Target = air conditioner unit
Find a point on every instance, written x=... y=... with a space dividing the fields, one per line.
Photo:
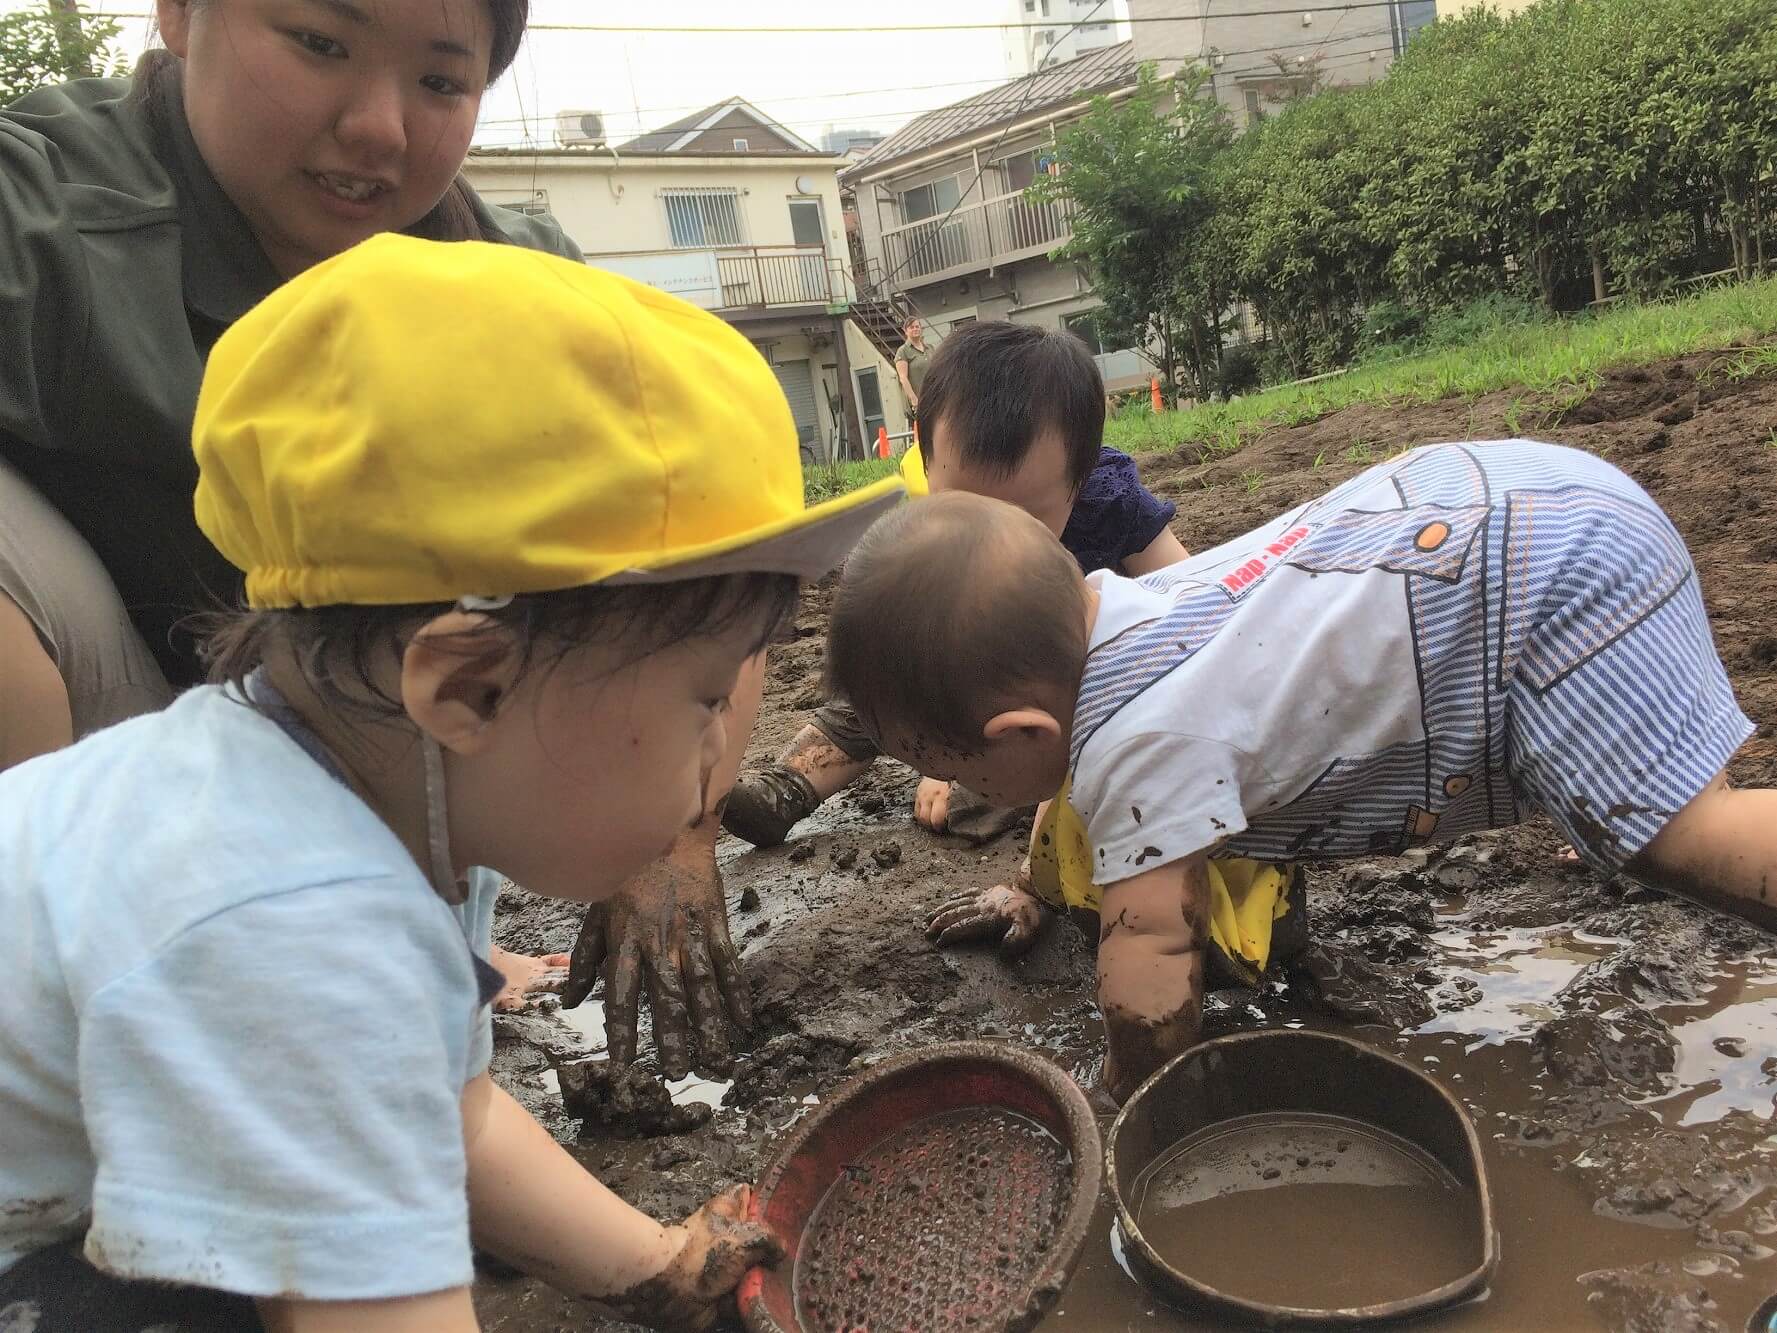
x=579 y=127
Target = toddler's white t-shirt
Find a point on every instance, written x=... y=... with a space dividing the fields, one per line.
x=237 y=1020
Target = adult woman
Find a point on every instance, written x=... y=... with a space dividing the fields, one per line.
x=138 y=220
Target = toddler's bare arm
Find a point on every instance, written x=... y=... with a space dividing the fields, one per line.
x=533 y=1205
x=1152 y=933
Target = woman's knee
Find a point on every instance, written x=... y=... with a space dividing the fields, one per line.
x=35 y=717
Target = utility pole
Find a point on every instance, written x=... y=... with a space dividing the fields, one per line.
x=75 y=62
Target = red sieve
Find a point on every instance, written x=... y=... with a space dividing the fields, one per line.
x=946 y=1189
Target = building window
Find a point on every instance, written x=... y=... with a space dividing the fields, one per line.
x=1084 y=326
x=1254 y=113
x=702 y=217
x=871 y=416
x=1407 y=17
x=1020 y=170
x=926 y=201
x=740 y=145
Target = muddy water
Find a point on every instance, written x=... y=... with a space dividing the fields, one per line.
x=940 y=1226
x=587 y=1019
x=1557 y=1237
x=1725 y=1049
x=1383 y=1221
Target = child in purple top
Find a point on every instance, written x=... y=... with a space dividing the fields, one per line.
x=1012 y=412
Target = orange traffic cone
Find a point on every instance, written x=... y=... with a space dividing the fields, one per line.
x=1154 y=394
x=882 y=444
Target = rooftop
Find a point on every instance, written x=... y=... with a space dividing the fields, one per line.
x=1096 y=71
x=737 y=112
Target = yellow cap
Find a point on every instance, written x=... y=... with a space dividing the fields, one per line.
x=415 y=421
x=913 y=471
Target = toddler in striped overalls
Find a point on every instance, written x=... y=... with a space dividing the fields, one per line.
x=1450 y=641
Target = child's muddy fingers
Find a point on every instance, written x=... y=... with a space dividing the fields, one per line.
x=588 y=957
x=623 y=992
x=931 y=803
x=672 y=1019
x=709 y=1019
x=971 y=929
x=966 y=908
x=952 y=910
x=938 y=816
x=730 y=975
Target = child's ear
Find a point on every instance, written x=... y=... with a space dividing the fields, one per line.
x=455 y=674
x=1030 y=721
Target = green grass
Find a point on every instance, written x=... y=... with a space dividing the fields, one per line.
x=1757 y=361
x=823 y=481
x=1562 y=358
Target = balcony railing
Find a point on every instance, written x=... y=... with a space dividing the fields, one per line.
x=976 y=236
x=738 y=277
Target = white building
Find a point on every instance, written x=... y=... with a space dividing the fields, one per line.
x=731 y=211
x=1057 y=31
x=1258 y=51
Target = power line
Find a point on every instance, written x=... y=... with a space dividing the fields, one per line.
x=1305 y=6
x=1008 y=101
x=503 y=127
x=807 y=97
x=730 y=30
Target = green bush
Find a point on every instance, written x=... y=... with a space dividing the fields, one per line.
x=1239 y=371
x=1480 y=318
x=1390 y=325
x=1499 y=170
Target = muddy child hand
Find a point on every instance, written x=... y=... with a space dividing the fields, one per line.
x=668 y=928
x=931 y=804
x=1015 y=917
x=715 y=1247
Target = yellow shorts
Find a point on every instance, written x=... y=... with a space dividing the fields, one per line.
x=1256 y=913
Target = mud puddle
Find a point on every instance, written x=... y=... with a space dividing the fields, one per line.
x=1727 y=1049
x=1654 y=1252
x=587 y=1020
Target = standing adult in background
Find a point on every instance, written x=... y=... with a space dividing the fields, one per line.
x=911 y=359
x=139 y=218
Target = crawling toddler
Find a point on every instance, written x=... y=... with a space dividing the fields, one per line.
x=1450 y=641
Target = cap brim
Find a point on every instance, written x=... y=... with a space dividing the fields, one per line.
x=808 y=545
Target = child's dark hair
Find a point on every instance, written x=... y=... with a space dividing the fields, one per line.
x=338 y=648
x=996 y=386
x=948 y=607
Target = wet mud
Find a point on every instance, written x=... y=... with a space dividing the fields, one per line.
x=1616 y=1048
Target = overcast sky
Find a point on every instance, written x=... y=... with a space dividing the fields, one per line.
x=809 y=81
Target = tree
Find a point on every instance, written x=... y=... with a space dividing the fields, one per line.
x=1138 y=176
x=1291 y=231
x=51 y=45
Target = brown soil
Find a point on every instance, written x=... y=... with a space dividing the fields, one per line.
x=1609 y=1041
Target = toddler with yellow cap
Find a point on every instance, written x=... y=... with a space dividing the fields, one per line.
x=506 y=554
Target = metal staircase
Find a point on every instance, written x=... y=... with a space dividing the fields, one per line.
x=881 y=309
